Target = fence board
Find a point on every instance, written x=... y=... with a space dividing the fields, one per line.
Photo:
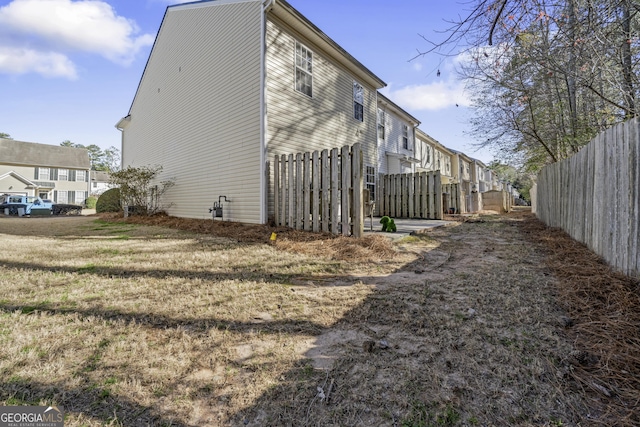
x=315 y=191
x=357 y=184
x=335 y=201
x=416 y=195
x=326 y=185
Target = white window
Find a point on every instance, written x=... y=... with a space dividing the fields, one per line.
x=381 y=135
x=358 y=102
x=43 y=173
x=62 y=197
x=370 y=182
x=63 y=174
x=79 y=197
x=81 y=176
x=405 y=137
x=304 y=70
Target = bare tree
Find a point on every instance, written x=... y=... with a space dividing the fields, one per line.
x=546 y=74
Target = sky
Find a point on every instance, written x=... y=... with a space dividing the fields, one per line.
x=69 y=69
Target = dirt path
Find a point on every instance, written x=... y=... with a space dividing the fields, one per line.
x=471 y=333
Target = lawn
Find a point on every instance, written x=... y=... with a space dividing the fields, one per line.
x=187 y=323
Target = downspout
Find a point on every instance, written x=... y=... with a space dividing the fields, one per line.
x=264 y=188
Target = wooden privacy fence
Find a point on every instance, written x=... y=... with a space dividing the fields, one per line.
x=595 y=196
x=411 y=195
x=320 y=191
x=451 y=198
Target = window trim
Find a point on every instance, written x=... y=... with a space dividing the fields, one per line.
x=299 y=71
x=370 y=185
x=405 y=137
x=63 y=174
x=358 y=92
x=381 y=124
x=46 y=175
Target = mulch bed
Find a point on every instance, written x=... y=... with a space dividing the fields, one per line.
x=603 y=308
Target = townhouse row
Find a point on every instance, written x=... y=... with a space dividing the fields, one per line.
x=230 y=84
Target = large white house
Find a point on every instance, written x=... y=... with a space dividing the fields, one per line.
x=231 y=83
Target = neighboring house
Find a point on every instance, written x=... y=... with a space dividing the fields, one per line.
x=480 y=176
x=100 y=182
x=433 y=156
x=228 y=85
x=47 y=171
x=396 y=138
x=464 y=174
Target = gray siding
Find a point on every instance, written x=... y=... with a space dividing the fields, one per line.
x=298 y=123
x=197 y=109
x=393 y=142
x=9 y=184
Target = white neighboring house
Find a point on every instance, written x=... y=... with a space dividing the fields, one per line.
x=100 y=182
x=228 y=85
x=433 y=156
x=396 y=138
x=47 y=171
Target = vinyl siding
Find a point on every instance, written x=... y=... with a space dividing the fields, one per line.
x=393 y=143
x=197 y=110
x=298 y=123
x=28 y=172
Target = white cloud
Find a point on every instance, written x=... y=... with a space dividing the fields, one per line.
x=48 y=64
x=60 y=27
x=417 y=66
x=432 y=96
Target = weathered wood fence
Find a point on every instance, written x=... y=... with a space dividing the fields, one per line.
x=452 y=198
x=320 y=191
x=416 y=195
x=595 y=196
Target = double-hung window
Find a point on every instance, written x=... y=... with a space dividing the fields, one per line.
x=63 y=174
x=370 y=182
x=381 y=125
x=81 y=176
x=358 y=102
x=43 y=174
x=62 y=197
x=304 y=70
x=405 y=137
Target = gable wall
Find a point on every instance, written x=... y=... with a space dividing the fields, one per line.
x=197 y=110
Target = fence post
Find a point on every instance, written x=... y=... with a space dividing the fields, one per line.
x=357 y=210
x=326 y=185
x=299 y=193
x=345 y=163
x=315 y=192
x=292 y=196
x=334 y=190
x=276 y=189
x=306 y=191
x=437 y=178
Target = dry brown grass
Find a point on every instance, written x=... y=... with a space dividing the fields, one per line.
x=187 y=323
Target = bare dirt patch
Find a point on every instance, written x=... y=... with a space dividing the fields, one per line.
x=164 y=321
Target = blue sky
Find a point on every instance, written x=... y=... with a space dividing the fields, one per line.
x=69 y=68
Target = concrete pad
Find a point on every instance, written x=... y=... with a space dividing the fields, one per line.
x=404 y=227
